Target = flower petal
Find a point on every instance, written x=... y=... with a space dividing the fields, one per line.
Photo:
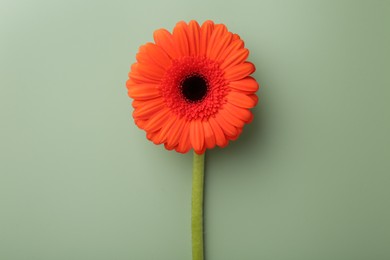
x=140 y=123
x=255 y=98
x=155 y=54
x=219 y=40
x=142 y=56
x=236 y=37
x=247 y=84
x=231 y=118
x=194 y=37
x=239 y=112
x=136 y=75
x=227 y=128
x=241 y=100
x=164 y=39
x=174 y=133
x=146 y=109
x=215 y=39
x=180 y=38
x=208 y=135
x=205 y=33
x=234 y=46
x=184 y=142
x=150 y=71
x=157 y=121
x=239 y=131
x=143 y=91
x=197 y=135
x=149 y=136
x=220 y=138
x=250 y=119
x=163 y=134
x=235 y=58
x=239 y=71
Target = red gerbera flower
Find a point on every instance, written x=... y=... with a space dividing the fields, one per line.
x=192 y=88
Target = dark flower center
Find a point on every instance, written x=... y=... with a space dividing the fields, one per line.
x=194 y=88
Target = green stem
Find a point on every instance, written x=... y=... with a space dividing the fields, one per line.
x=197 y=206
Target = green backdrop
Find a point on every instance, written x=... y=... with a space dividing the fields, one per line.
x=308 y=179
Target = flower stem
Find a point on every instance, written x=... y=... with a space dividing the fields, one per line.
x=197 y=206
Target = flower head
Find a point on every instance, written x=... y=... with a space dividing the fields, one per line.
x=192 y=88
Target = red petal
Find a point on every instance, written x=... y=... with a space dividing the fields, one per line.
x=140 y=123
x=174 y=134
x=239 y=71
x=150 y=71
x=205 y=34
x=165 y=40
x=142 y=56
x=241 y=99
x=157 y=55
x=239 y=131
x=241 y=113
x=247 y=84
x=136 y=75
x=235 y=58
x=156 y=122
x=231 y=118
x=227 y=128
x=220 y=138
x=234 y=46
x=255 y=98
x=197 y=136
x=219 y=40
x=163 y=134
x=208 y=135
x=184 y=142
x=180 y=38
x=236 y=37
x=145 y=109
x=194 y=37
x=143 y=91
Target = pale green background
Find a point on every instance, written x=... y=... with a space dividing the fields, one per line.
x=308 y=179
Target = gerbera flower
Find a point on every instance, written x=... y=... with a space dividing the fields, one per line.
x=192 y=88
